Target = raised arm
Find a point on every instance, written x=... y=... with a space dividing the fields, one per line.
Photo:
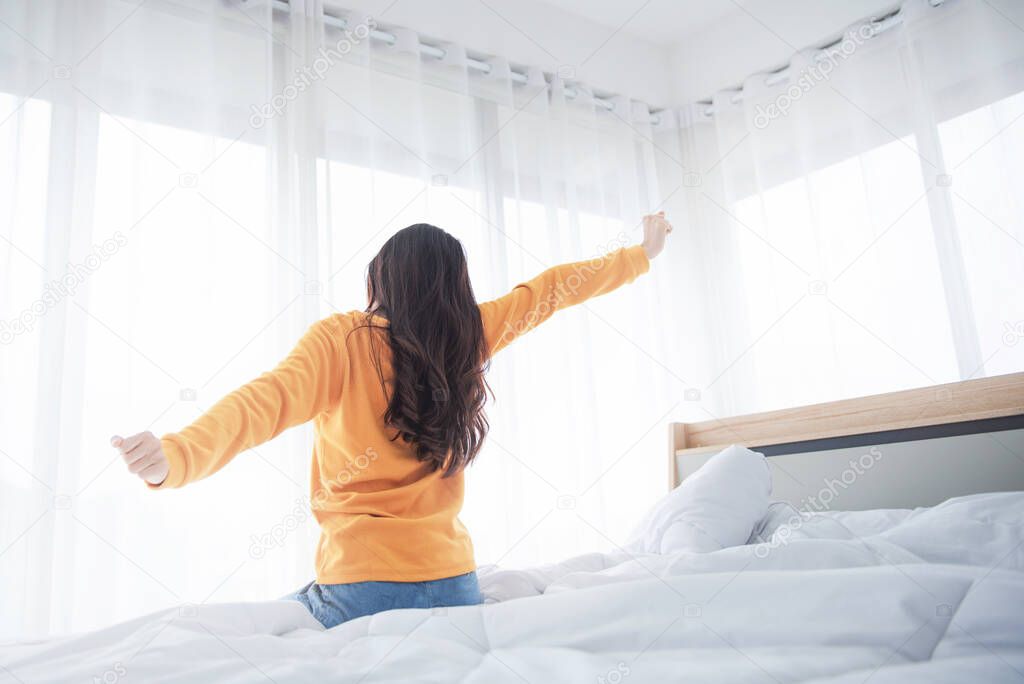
x=531 y=303
x=305 y=384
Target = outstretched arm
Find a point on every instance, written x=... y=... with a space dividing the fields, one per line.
x=531 y=303
x=305 y=384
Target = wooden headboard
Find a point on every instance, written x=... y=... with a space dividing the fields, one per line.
x=970 y=407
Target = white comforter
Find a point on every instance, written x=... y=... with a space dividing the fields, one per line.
x=932 y=595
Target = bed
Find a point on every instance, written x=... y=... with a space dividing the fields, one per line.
x=935 y=443
x=733 y=576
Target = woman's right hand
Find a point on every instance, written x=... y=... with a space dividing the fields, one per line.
x=656 y=228
x=144 y=456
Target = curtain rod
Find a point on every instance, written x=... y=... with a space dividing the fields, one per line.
x=877 y=25
x=473 y=63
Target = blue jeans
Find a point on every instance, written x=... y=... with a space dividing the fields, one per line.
x=332 y=604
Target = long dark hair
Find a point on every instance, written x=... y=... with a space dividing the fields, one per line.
x=420 y=284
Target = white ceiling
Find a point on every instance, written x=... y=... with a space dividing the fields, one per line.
x=668 y=22
x=715 y=44
x=660 y=21
x=663 y=52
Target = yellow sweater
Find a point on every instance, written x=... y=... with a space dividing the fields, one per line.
x=383 y=514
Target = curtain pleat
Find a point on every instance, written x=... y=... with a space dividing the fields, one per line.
x=853 y=214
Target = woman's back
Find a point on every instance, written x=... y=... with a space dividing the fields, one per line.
x=385 y=514
x=396 y=395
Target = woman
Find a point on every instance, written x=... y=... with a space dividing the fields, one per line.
x=396 y=395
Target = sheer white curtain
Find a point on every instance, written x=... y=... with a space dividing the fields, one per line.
x=858 y=217
x=185 y=186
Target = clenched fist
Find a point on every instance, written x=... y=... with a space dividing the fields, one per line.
x=144 y=456
x=656 y=228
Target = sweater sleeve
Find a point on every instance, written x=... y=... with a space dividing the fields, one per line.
x=531 y=303
x=303 y=385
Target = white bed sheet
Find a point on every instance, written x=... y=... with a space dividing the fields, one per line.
x=931 y=595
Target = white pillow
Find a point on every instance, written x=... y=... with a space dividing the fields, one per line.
x=715 y=508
